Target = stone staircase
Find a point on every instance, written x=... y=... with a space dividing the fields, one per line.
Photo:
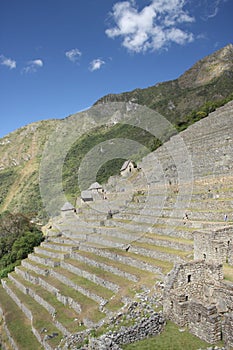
x=89 y=266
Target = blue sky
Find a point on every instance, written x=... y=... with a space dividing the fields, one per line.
x=58 y=57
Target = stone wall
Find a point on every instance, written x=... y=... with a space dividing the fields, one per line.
x=10 y=339
x=122 y=259
x=43 y=261
x=204 y=321
x=136 y=321
x=146 y=327
x=79 y=289
x=35 y=296
x=90 y=276
x=66 y=300
x=215 y=246
x=227 y=330
x=105 y=267
x=7 y=332
x=22 y=307
x=54 y=255
x=196 y=296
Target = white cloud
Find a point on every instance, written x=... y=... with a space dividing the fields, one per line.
x=8 y=62
x=32 y=66
x=210 y=8
x=96 y=64
x=73 y=55
x=151 y=28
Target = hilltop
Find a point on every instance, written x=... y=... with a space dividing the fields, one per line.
x=204 y=87
x=209 y=80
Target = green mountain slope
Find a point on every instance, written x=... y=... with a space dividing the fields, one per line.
x=200 y=90
x=209 y=81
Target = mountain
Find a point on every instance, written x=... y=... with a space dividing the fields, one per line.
x=209 y=80
x=200 y=90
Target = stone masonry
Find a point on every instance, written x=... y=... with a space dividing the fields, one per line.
x=196 y=296
x=215 y=246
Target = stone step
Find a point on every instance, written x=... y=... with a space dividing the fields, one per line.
x=35 y=266
x=167 y=216
x=28 y=291
x=73 y=287
x=43 y=260
x=131 y=259
x=105 y=267
x=51 y=273
x=164 y=241
x=88 y=275
x=162 y=229
x=63 y=240
x=49 y=298
x=80 y=227
x=154 y=251
x=126 y=235
x=18 y=330
x=55 y=254
x=102 y=291
x=62 y=247
x=85 y=302
x=126 y=271
x=112 y=281
x=39 y=318
x=32 y=277
x=160 y=253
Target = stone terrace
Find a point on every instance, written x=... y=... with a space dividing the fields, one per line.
x=89 y=266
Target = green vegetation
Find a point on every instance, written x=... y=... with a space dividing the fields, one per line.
x=18 y=324
x=103 y=133
x=41 y=317
x=18 y=237
x=182 y=101
x=170 y=339
x=7 y=178
x=202 y=112
x=93 y=138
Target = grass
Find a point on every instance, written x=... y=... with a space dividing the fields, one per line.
x=41 y=318
x=101 y=273
x=18 y=324
x=166 y=266
x=123 y=267
x=228 y=272
x=89 y=307
x=64 y=314
x=33 y=263
x=114 y=304
x=85 y=283
x=161 y=249
x=170 y=339
x=169 y=238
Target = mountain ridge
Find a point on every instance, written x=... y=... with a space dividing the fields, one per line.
x=170 y=97
x=182 y=101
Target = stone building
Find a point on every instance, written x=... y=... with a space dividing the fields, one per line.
x=215 y=246
x=95 y=188
x=86 y=196
x=197 y=297
x=67 y=209
x=127 y=168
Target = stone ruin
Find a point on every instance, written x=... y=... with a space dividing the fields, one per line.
x=215 y=246
x=196 y=295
